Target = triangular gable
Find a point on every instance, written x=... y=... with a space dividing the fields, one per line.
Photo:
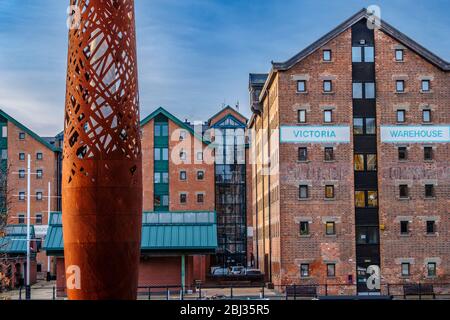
x=219 y=116
x=178 y=122
x=385 y=27
x=229 y=121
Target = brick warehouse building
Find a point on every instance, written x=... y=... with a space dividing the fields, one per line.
x=180 y=174
x=350 y=139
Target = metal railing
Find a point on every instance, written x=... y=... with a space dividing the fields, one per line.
x=201 y=291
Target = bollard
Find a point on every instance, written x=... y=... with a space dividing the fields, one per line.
x=54 y=293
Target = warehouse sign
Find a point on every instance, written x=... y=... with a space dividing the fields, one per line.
x=415 y=134
x=315 y=134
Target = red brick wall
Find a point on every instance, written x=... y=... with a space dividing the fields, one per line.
x=418 y=247
x=147 y=165
x=191 y=186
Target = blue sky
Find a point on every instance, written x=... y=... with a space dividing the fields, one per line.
x=193 y=55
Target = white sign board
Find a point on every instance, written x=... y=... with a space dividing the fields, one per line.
x=415 y=134
x=40 y=230
x=315 y=134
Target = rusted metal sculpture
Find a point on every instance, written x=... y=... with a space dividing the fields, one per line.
x=102 y=176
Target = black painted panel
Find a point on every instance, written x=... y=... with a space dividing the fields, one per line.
x=368 y=251
x=363 y=71
x=365 y=144
x=364 y=108
x=367 y=216
x=366 y=180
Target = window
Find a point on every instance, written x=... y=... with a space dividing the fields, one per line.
x=403 y=191
x=161 y=200
x=301 y=86
x=428 y=153
x=404 y=227
x=304 y=228
x=357 y=54
x=372 y=199
x=330 y=228
x=200 y=175
x=302 y=154
x=304 y=270
x=39 y=174
x=369 y=90
x=165 y=154
x=400 y=85
x=331 y=270
x=161 y=130
x=200 y=198
x=357 y=90
x=21 y=219
x=157 y=154
x=301 y=116
x=369 y=55
x=364 y=126
x=4 y=132
x=429 y=191
x=161 y=177
x=329 y=192
x=399 y=55
x=367 y=235
x=326 y=55
x=363 y=54
x=431 y=227
x=401 y=115
x=405 y=269
x=359 y=162
x=22 y=196
x=303 y=194
x=183 y=198
x=371 y=163
x=425 y=85
x=39 y=196
x=200 y=156
x=39 y=156
x=426 y=115
x=328 y=116
x=366 y=199
x=22 y=174
x=38 y=219
x=358 y=126
x=327 y=86
x=182 y=135
x=370 y=126
x=4 y=154
x=22 y=136
x=402 y=153
x=183 y=155
x=157 y=178
x=183 y=176
x=329 y=154
x=431 y=269
x=22 y=156
x=360 y=199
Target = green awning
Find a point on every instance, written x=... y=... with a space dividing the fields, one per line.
x=161 y=232
x=15 y=241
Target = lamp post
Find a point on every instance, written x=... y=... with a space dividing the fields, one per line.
x=28 y=288
x=48 y=225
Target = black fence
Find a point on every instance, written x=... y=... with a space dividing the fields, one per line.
x=412 y=291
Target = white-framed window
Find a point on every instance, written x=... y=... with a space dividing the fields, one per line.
x=301 y=116
x=328 y=116
x=4 y=132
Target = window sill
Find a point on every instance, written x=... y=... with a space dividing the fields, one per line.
x=431 y=235
x=329 y=161
x=426 y=92
x=404 y=198
x=426 y=123
x=328 y=93
x=428 y=160
x=330 y=236
x=429 y=198
x=305 y=236
x=405 y=235
x=329 y=199
x=306 y=161
x=302 y=92
x=304 y=199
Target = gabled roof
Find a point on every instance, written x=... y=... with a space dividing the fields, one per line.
x=385 y=27
x=174 y=119
x=29 y=132
x=362 y=14
x=15 y=240
x=231 y=110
